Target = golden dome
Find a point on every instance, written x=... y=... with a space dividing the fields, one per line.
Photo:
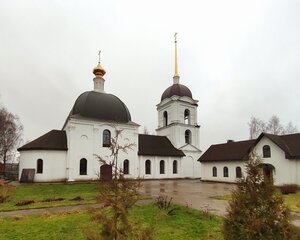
x=99 y=71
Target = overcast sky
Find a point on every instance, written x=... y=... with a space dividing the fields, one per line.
x=239 y=59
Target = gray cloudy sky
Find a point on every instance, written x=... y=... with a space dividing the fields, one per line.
x=239 y=58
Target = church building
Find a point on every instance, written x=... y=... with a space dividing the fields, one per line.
x=69 y=154
x=280 y=159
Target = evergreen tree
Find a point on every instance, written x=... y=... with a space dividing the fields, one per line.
x=256 y=210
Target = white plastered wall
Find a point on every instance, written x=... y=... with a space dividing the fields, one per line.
x=54 y=164
x=85 y=141
x=155 y=167
x=207 y=172
x=286 y=171
x=175 y=130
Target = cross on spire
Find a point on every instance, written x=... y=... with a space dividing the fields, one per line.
x=99 y=53
x=176 y=75
x=176 y=62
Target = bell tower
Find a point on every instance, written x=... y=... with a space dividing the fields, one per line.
x=177 y=113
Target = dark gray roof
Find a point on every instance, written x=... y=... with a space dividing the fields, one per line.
x=178 y=90
x=153 y=145
x=231 y=151
x=100 y=106
x=53 y=140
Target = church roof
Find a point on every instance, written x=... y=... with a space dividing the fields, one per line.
x=178 y=90
x=237 y=151
x=53 y=140
x=100 y=106
x=230 y=151
x=153 y=145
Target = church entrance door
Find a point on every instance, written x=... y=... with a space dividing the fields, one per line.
x=268 y=170
x=106 y=172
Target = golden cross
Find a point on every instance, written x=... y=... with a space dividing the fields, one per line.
x=99 y=56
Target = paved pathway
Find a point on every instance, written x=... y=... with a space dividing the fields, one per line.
x=196 y=194
x=192 y=193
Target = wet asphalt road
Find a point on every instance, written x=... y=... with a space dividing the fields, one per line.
x=192 y=193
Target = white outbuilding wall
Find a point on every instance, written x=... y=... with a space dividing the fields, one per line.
x=286 y=171
x=54 y=164
x=207 y=170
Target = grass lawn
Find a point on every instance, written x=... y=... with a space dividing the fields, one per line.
x=185 y=224
x=291 y=200
x=41 y=192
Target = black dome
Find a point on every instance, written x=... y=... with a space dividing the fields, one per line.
x=101 y=106
x=178 y=90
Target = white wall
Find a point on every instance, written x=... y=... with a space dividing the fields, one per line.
x=155 y=167
x=54 y=164
x=286 y=171
x=85 y=141
x=191 y=167
x=207 y=173
x=175 y=130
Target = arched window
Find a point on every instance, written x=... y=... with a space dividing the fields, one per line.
x=214 y=172
x=165 y=118
x=187 y=117
x=266 y=151
x=126 y=166
x=188 y=136
x=106 y=138
x=148 y=167
x=83 y=166
x=162 y=167
x=39 y=166
x=175 y=167
x=225 y=172
x=238 y=172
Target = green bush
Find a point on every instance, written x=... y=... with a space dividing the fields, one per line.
x=256 y=210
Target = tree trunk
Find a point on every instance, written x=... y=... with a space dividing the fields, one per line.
x=4 y=163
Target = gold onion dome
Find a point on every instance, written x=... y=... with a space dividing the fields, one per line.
x=99 y=71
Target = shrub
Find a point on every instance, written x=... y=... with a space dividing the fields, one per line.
x=256 y=210
x=288 y=188
x=163 y=203
x=5 y=191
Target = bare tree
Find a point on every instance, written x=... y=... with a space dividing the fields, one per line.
x=273 y=126
x=256 y=127
x=145 y=130
x=290 y=128
x=117 y=197
x=10 y=134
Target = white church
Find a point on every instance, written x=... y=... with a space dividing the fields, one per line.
x=69 y=154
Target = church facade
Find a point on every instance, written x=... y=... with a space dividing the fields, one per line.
x=70 y=154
